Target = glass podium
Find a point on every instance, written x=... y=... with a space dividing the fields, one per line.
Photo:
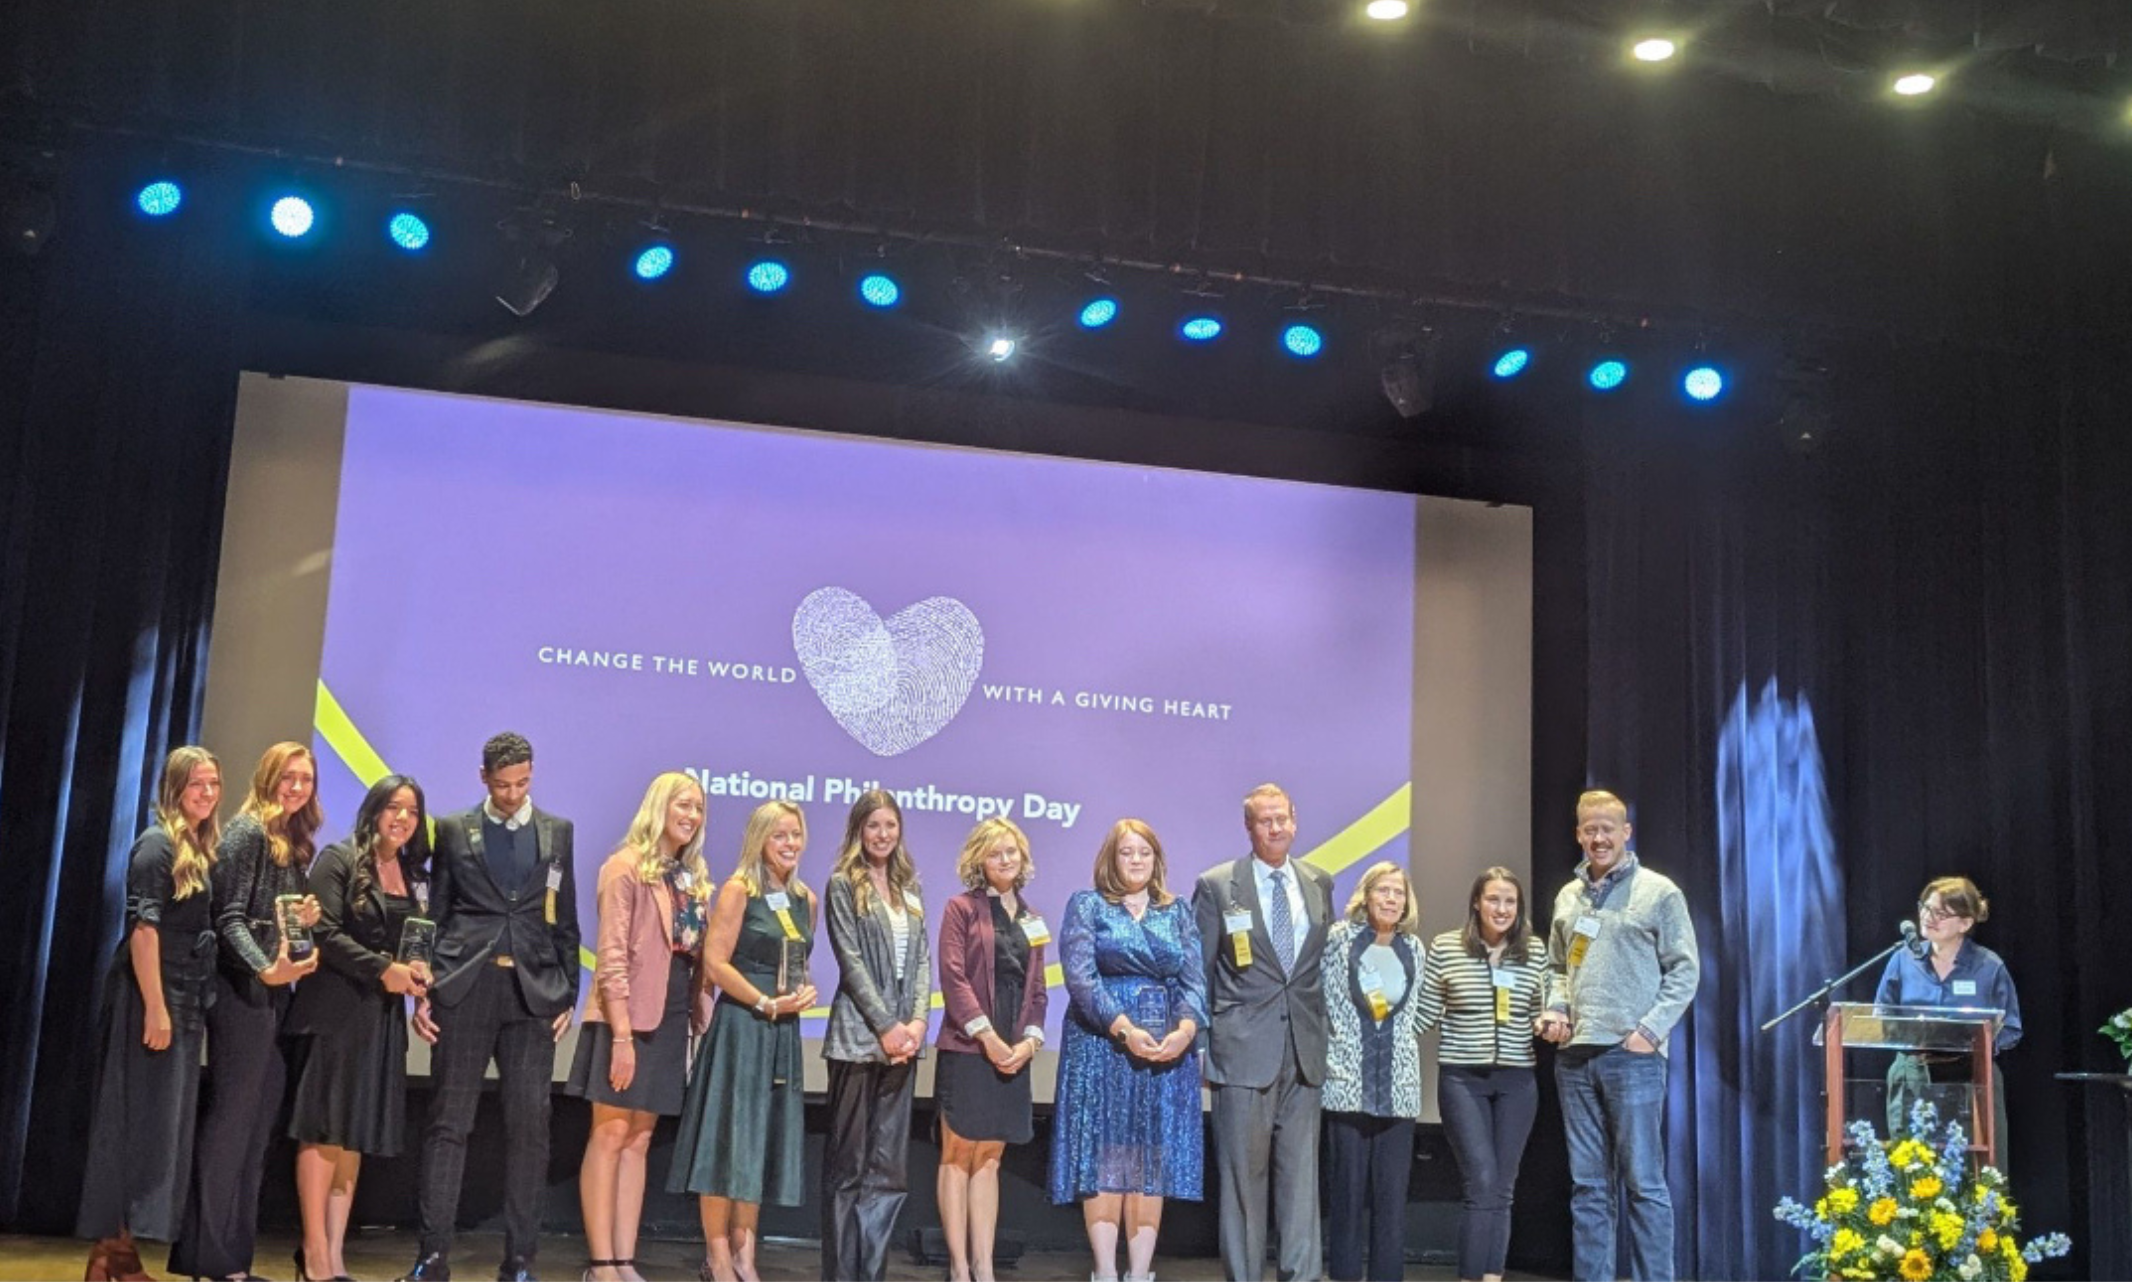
x=1944 y=1035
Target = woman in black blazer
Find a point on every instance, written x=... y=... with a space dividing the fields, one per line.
x=349 y=1022
x=264 y=855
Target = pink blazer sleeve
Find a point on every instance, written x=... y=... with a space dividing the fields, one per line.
x=618 y=907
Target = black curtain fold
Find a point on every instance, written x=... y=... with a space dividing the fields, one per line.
x=115 y=428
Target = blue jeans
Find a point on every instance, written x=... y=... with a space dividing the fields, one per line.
x=1487 y=1115
x=1613 y=1109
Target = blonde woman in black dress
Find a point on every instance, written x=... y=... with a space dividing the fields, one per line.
x=155 y=1004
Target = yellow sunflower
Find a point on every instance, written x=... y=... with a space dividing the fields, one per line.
x=1882 y=1212
x=1988 y=1241
x=1926 y=1189
x=1916 y=1266
x=1843 y=1201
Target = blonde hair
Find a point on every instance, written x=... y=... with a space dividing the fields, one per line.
x=649 y=827
x=851 y=862
x=192 y=849
x=1358 y=904
x=288 y=835
x=970 y=866
x=757 y=836
x=1601 y=799
x=1107 y=880
x=1266 y=792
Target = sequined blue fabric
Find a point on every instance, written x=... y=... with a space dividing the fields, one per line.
x=1123 y=1125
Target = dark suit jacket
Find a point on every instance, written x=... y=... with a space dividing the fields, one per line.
x=478 y=921
x=1260 y=1012
x=355 y=943
x=966 y=977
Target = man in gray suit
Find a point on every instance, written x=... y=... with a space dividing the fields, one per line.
x=1262 y=923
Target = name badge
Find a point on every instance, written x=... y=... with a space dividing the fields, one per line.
x=555 y=883
x=1965 y=988
x=777 y=900
x=1238 y=924
x=1504 y=982
x=1586 y=929
x=1035 y=931
x=1373 y=993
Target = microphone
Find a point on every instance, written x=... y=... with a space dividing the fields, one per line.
x=1919 y=946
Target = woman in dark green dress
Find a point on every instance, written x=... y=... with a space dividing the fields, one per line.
x=742 y=1126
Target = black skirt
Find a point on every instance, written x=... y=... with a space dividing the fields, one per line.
x=141 y=1127
x=662 y=1054
x=979 y=1103
x=351 y=1080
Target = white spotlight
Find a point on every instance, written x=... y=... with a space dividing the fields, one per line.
x=1387 y=10
x=1654 y=49
x=1915 y=83
x=1000 y=348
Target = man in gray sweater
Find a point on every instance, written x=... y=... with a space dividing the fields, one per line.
x=1622 y=969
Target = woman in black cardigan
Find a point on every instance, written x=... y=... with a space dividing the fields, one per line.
x=263 y=856
x=349 y=1022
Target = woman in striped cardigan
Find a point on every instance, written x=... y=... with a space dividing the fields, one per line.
x=1483 y=987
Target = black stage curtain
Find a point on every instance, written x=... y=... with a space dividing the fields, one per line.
x=1823 y=681
x=116 y=399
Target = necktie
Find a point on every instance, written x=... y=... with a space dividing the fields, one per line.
x=1281 y=921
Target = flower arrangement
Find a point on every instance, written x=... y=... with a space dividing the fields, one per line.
x=1908 y=1208
x=2119 y=1030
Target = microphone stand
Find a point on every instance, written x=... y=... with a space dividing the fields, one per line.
x=1821 y=994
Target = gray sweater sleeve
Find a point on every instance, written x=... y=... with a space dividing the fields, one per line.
x=1679 y=965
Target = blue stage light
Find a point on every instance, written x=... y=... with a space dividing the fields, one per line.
x=1512 y=363
x=160 y=198
x=408 y=231
x=655 y=262
x=1302 y=340
x=1703 y=383
x=292 y=216
x=1099 y=312
x=1608 y=375
x=768 y=276
x=880 y=291
x=1200 y=329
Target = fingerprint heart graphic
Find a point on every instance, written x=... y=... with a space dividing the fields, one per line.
x=891 y=683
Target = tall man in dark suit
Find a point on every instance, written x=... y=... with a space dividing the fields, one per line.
x=1262 y=923
x=504 y=894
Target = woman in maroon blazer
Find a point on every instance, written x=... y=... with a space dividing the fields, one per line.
x=648 y=995
x=992 y=984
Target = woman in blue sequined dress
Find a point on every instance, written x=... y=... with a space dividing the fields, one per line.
x=1127 y=1130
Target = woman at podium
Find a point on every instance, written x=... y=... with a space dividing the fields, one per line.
x=1951 y=970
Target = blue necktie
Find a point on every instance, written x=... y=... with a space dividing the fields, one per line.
x=1282 y=921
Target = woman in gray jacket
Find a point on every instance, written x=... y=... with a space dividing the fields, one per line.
x=876 y=1030
x=1373 y=965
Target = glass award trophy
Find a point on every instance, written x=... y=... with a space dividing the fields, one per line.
x=1152 y=1013
x=418 y=941
x=287 y=910
x=791 y=966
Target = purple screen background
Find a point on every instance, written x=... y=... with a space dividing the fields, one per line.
x=473 y=533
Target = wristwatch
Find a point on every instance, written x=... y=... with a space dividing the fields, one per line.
x=762 y=1005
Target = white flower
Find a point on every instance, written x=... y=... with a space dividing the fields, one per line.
x=1970 y=1266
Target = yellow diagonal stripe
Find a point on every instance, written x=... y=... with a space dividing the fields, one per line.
x=1367 y=835
x=347 y=742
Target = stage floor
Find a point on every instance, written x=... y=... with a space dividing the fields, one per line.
x=378 y=1255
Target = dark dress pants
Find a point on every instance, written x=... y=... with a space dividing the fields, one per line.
x=1487 y=1115
x=490 y=1020
x=863 y=1176
x=1367 y=1162
x=246 y=1078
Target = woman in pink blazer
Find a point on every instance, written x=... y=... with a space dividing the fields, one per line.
x=632 y=1054
x=992 y=985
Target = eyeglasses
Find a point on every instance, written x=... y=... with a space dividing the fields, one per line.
x=1934 y=916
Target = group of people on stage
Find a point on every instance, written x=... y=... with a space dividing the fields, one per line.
x=1301 y=1018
